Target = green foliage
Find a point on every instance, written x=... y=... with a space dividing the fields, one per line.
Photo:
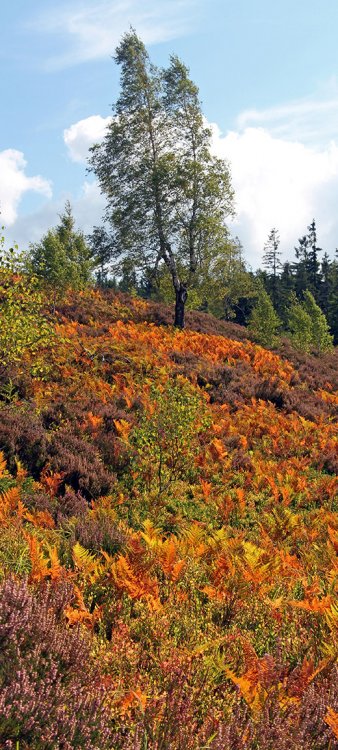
x=308 y=326
x=321 y=337
x=300 y=326
x=24 y=328
x=167 y=196
x=62 y=259
x=14 y=553
x=264 y=322
x=222 y=279
x=167 y=437
x=101 y=251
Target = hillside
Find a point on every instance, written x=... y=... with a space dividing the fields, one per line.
x=168 y=536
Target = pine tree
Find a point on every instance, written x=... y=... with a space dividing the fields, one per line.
x=167 y=197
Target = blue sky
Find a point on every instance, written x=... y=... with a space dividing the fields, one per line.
x=268 y=78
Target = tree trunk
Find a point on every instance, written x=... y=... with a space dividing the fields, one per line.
x=181 y=298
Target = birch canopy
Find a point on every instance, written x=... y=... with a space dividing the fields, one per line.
x=167 y=196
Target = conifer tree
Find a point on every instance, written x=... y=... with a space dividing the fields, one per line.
x=301 y=269
x=299 y=326
x=264 y=322
x=62 y=258
x=332 y=313
x=325 y=285
x=321 y=339
x=313 y=262
x=271 y=261
x=307 y=270
x=286 y=284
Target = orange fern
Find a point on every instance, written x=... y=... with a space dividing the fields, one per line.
x=331 y=718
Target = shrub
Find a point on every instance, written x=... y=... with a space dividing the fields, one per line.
x=24 y=327
x=166 y=439
x=22 y=436
x=80 y=464
x=98 y=532
x=50 y=693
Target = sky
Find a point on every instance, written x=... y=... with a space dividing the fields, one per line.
x=268 y=79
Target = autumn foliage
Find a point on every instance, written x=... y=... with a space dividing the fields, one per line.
x=168 y=502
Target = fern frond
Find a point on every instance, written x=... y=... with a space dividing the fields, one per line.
x=85 y=562
x=331 y=718
x=3 y=470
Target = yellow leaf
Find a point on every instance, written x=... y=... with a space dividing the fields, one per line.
x=253 y=693
x=130 y=698
x=122 y=428
x=85 y=562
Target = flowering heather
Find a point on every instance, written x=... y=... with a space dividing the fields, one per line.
x=50 y=695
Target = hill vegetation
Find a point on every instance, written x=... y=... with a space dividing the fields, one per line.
x=168 y=532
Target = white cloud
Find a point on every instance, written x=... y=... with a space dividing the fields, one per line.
x=14 y=183
x=311 y=120
x=280 y=183
x=83 y=134
x=91 y=30
x=88 y=207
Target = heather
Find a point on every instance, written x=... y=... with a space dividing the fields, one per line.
x=168 y=535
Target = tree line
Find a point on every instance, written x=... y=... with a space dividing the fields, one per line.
x=278 y=299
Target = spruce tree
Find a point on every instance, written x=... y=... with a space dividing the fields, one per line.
x=313 y=262
x=307 y=270
x=301 y=268
x=286 y=290
x=62 y=258
x=272 y=262
x=332 y=314
x=308 y=326
x=299 y=326
x=321 y=340
x=264 y=322
x=325 y=288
